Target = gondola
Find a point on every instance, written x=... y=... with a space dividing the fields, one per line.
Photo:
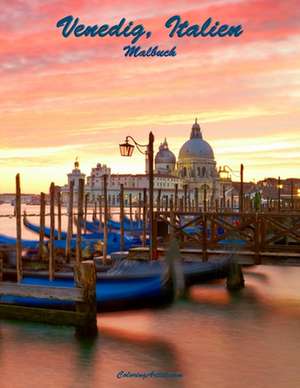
x=130 y=284
x=92 y=244
x=129 y=226
x=114 y=238
x=114 y=291
x=194 y=272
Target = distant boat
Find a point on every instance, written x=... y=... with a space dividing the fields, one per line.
x=129 y=226
x=113 y=237
x=91 y=244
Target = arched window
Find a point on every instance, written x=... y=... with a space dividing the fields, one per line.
x=184 y=171
x=199 y=171
x=203 y=171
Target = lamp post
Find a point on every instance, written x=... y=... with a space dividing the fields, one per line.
x=126 y=149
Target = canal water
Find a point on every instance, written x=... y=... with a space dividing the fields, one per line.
x=212 y=339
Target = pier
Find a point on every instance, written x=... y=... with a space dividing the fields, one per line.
x=83 y=297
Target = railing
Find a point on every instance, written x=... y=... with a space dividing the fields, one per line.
x=255 y=233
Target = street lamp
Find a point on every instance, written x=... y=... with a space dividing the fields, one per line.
x=126 y=149
x=224 y=172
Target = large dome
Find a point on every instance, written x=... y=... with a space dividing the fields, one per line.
x=164 y=155
x=196 y=147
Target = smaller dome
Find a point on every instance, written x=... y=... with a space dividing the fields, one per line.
x=164 y=155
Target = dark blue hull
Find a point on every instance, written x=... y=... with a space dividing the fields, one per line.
x=112 y=293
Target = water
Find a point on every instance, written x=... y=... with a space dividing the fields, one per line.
x=213 y=339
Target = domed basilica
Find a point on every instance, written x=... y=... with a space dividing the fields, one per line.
x=196 y=165
x=195 y=168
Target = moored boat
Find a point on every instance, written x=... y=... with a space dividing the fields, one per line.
x=113 y=291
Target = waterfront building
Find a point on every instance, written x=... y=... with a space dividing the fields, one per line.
x=195 y=168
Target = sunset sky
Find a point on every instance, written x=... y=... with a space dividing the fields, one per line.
x=62 y=98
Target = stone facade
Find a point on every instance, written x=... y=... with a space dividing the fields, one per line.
x=196 y=168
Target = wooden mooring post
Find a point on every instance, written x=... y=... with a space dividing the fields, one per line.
x=105 y=228
x=86 y=280
x=204 y=238
x=176 y=197
x=140 y=207
x=144 y=216
x=100 y=213
x=185 y=197
x=241 y=199
x=19 y=229
x=158 y=200
x=79 y=220
x=122 y=215
x=70 y=220
x=130 y=209
x=42 y=225
x=52 y=229
x=58 y=198
x=196 y=195
x=86 y=200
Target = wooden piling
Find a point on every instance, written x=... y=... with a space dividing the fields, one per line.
x=52 y=229
x=292 y=194
x=204 y=238
x=70 y=220
x=217 y=205
x=181 y=204
x=109 y=206
x=105 y=228
x=185 y=197
x=42 y=225
x=166 y=203
x=122 y=215
x=241 y=199
x=144 y=216
x=86 y=199
x=279 y=194
x=79 y=220
x=100 y=213
x=95 y=209
x=140 y=207
x=130 y=209
x=235 y=279
x=176 y=197
x=196 y=195
x=154 y=237
x=204 y=199
x=19 y=229
x=158 y=200
x=85 y=277
x=58 y=199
